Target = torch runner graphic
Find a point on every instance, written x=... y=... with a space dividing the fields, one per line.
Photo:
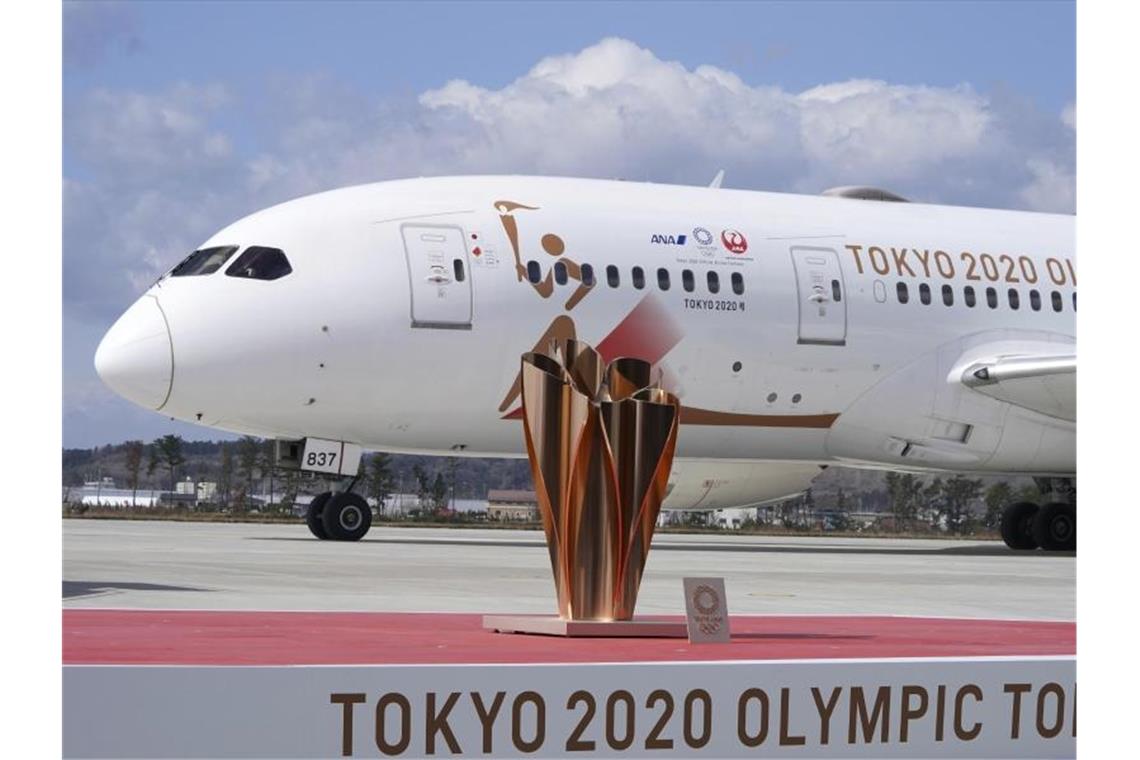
x=562 y=326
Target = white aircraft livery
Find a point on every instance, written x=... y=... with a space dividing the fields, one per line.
x=798 y=331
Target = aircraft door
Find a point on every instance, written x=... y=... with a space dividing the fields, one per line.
x=439 y=275
x=822 y=297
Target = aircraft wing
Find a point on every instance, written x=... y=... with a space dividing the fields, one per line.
x=1042 y=382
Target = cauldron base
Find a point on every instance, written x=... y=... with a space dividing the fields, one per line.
x=552 y=625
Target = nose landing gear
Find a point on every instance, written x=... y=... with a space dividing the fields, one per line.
x=314 y=512
x=340 y=516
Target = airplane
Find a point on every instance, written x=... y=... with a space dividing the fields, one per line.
x=850 y=328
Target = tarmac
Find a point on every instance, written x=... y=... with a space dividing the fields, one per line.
x=214 y=566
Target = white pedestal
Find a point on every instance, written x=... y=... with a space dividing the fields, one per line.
x=551 y=625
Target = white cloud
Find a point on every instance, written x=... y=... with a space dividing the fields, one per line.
x=1052 y=186
x=147 y=138
x=864 y=128
x=1069 y=116
x=616 y=109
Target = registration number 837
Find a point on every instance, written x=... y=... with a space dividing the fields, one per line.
x=320 y=459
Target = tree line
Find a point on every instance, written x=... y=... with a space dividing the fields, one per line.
x=955 y=504
x=246 y=469
x=245 y=473
x=947 y=501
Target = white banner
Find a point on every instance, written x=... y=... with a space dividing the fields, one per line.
x=991 y=708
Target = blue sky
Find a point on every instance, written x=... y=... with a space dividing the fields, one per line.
x=393 y=48
x=181 y=117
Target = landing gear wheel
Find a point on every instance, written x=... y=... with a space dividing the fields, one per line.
x=346 y=517
x=1017 y=525
x=1055 y=527
x=313 y=515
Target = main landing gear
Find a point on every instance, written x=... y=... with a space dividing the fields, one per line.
x=1053 y=527
x=340 y=516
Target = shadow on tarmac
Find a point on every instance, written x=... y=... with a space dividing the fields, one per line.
x=75 y=589
x=996 y=550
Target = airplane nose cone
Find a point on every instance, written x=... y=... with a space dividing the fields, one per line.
x=135 y=358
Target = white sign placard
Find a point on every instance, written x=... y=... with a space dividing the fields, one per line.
x=706 y=610
x=331 y=457
x=962 y=708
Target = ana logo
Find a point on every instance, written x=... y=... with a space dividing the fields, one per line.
x=734 y=241
x=668 y=239
x=702 y=236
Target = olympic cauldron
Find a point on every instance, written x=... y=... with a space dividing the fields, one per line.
x=601 y=440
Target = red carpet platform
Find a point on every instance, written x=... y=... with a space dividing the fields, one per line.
x=183 y=637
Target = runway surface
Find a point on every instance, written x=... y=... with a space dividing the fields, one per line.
x=171 y=565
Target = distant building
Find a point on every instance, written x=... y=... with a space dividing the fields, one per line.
x=101 y=496
x=733 y=517
x=177 y=499
x=512 y=506
x=405 y=503
x=201 y=490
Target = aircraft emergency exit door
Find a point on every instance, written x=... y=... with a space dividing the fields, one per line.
x=821 y=295
x=438 y=275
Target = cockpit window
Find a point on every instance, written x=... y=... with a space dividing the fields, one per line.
x=203 y=261
x=260 y=263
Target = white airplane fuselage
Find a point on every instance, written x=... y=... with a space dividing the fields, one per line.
x=401 y=323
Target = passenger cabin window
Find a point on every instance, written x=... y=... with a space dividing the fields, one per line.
x=533 y=271
x=687 y=281
x=1035 y=300
x=969 y=297
x=560 y=272
x=947 y=295
x=1074 y=300
x=880 y=292
x=203 y=261
x=714 y=282
x=260 y=263
x=1014 y=299
x=903 y=293
x=924 y=294
x=613 y=277
x=738 y=284
x=588 y=275
x=638 y=278
x=663 y=278
x=1057 y=303
x=991 y=298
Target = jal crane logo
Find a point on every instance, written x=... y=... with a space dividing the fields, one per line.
x=734 y=241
